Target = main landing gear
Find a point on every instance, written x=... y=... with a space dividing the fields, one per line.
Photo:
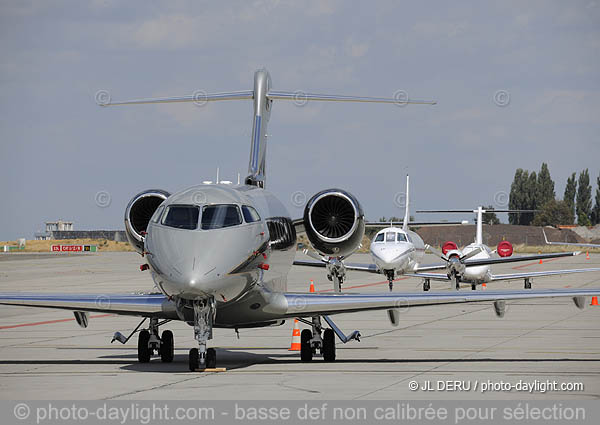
x=149 y=343
x=426 y=285
x=527 y=283
x=315 y=340
x=204 y=314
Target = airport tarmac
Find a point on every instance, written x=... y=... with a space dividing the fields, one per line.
x=44 y=354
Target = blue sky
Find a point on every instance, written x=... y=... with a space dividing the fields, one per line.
x=59 y=149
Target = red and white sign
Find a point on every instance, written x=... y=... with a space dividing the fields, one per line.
x=67 y=248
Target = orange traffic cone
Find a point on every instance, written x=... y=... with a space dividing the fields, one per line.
x=295 y=337
x=587 y=255
x=483 y=286
x=541 y=262
x=594 y=301
x=312 y=286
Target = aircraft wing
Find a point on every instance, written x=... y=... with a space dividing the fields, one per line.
x=588 y=245
x=512 y=276
x=363 y=267
x=432 y=276
x=514 y=259
x=153 y=305
x=311 y=304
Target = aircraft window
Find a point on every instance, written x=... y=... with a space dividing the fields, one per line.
x=379 y=238
x=250 y=214
x=390 y=237
x=182 y=217
x=157 y=214
x=219 y=216
x=401 y=237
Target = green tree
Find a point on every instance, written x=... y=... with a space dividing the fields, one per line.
x=554 y=213
x=545 y=186
x=517 y=199
x=490 y=217
x=570 y=192
x=531 y=199
x=584 y=199
x=596 y=210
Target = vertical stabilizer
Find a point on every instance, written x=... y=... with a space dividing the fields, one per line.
x=479 y=234
x=258 y=143
x=407 y=206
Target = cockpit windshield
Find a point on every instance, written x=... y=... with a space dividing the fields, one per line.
x=390 y=237
x=401 y=237
x=379 y=237
x=182 y=217
x=219 y=216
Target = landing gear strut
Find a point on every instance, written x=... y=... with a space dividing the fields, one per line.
x=390 y=277
x=150 y=343
x=204 y=315
x=426 y=285
x=457 y=282
x=527 y=283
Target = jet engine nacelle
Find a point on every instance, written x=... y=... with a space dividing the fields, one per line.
x=504 y=249
x=334 y=222
x=138 y=213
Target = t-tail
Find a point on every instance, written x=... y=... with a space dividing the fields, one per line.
x=262 y=95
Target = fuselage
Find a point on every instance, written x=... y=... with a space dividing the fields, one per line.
x=475 y=274
x=397 y=250
x=220 y=241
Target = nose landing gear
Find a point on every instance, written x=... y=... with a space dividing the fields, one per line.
x=390 y=277
x=204 y=314
x=426 y=285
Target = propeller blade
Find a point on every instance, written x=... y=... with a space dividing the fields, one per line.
x=471 y=254
x=436 y=252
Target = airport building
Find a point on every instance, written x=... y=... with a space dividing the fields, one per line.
x=65 y=230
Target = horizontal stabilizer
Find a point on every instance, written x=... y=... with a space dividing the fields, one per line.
x=299 y=96
x=198 y=97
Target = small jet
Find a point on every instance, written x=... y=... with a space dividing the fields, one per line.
x=398 y=252
x=219 y=256
x=585 y=245
x=478 y=251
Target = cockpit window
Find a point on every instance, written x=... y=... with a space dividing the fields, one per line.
x=157 y=214
x=182 y=217
x=250 y=214
x=219 y=216
x=401 y=237
x=379 y=237
x=390 y=237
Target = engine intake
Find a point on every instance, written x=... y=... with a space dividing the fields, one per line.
x=334 y=222
x=138 y=213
